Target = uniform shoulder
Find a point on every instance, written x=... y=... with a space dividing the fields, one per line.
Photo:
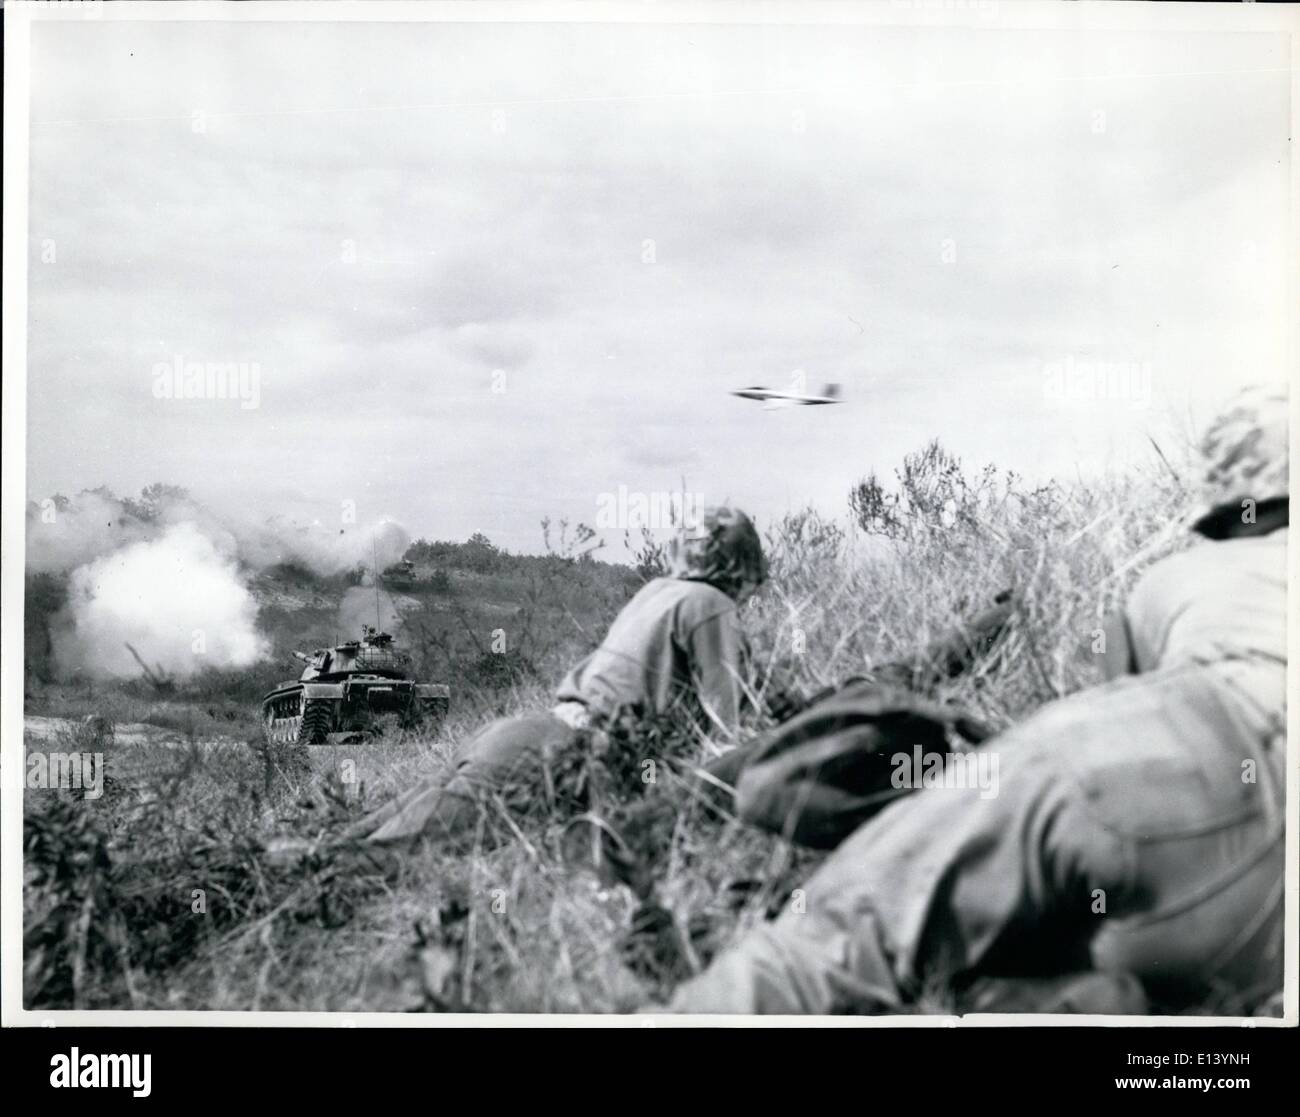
x=699 y=602
x=1209 y=564
x=1175 y=573
x=1216 y=554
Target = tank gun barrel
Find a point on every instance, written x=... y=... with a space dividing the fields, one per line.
x=303 y=656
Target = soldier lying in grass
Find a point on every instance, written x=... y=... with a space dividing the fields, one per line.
x=1134 y=850
x=675 y=659
x=676 y=651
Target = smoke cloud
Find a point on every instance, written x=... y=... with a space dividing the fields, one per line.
x=176 y=599
x=359 y=607
x=320 y=549
x=170 y=577
x=63 y=534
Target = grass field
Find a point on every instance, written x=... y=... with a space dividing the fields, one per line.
x=168 y=893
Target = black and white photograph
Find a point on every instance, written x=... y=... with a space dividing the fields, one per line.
x=662 y=515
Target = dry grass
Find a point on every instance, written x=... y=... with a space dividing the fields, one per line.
x=504 y=925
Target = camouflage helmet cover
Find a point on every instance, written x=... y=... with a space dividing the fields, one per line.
x=1246 y=454
x=722 y=548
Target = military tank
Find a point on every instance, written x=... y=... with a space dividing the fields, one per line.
x=343 y=692
x=400 y=576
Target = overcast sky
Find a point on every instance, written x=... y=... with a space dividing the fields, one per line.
x=616 y=226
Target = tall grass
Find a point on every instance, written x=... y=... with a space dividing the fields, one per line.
x=506 y=924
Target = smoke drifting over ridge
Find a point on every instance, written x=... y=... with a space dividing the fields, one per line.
x=170 y=577
x=65 y=533
x=362 y=606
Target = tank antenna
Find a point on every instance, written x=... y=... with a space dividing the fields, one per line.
x=374 y=551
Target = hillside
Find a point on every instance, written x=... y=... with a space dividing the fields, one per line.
x=472 y=616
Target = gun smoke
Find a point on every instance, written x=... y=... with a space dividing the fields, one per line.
x=360 y=607
x=175 y=598
x=171 y=578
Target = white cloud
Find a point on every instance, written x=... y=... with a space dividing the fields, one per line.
x=382 y=215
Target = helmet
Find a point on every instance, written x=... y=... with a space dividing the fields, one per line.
x=721 y=548
x=1246 y=457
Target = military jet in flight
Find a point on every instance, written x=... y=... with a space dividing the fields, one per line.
x=775 y=397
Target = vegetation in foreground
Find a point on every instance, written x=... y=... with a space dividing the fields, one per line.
x=168 y=891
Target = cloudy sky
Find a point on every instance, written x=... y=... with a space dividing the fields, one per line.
x=488 y=273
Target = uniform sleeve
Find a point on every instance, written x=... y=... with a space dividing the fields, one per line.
x=718 y=653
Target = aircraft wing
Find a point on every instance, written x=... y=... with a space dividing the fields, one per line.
x=778 y=402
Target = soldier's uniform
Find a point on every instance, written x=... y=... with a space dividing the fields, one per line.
x=1137 y=830
x=676 y=648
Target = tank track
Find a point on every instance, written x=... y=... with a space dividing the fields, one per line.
x=315 y=724
x=309 y=725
